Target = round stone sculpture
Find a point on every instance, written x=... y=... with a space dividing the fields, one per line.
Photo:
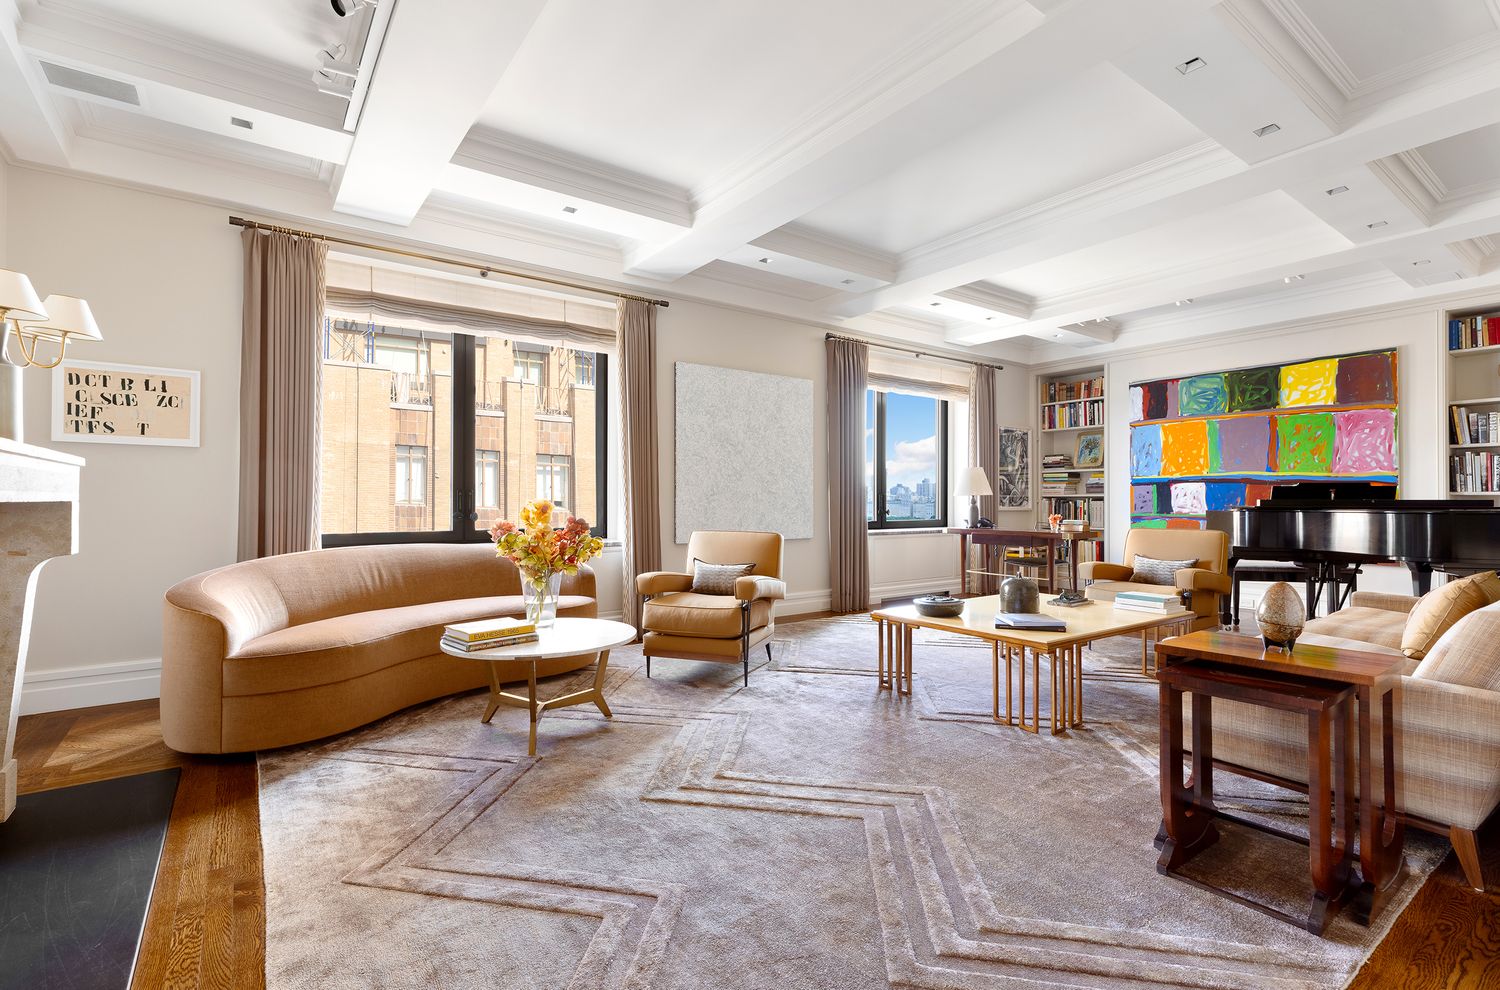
x=939 y=606
x=1019 y=594
x=1281 y=615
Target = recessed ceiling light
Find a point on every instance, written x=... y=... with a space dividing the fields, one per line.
x=1336 y=190
x=1424 y=261
x=847 y=281
x=1058 y=336
x=242 y=122
x=1293 y=278
x=1267 y=131
x=1183 y=302
x=570 y=209
x=935 y=304
x=989 y=317
x=1191 y=65
x=1377 y=225
x=1100 y=319
x=765 y=261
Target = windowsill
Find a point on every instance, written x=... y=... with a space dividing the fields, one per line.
x=925 y=531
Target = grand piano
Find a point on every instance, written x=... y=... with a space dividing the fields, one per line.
x=1325 y=528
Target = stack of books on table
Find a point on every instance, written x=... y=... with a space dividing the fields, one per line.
x=488 y=634
x=1145 y=601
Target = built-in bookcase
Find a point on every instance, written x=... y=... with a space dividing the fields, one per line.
x=1070 y=405
x=1473 y=402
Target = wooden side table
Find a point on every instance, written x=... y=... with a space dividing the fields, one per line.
x=1373 y=677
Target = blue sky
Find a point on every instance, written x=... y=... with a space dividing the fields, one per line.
x=910 y=438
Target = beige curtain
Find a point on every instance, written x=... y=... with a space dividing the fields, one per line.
x=281 y=369
x=984 y=446
x=637 y=347
x=848 y=534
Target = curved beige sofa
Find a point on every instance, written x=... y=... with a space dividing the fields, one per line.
x=287 y=649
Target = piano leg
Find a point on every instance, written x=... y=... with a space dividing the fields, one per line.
x=1229 y=605
x=1421 y=578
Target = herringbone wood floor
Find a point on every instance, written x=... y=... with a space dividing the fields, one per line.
x=206 y=926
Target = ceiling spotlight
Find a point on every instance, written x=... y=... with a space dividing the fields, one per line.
x=570 y=209
x=1377 y=225
x=1191 y=65
x=1057 y=336
x=1336 y=190
x=1267 y=131
x=1293 y=278
x=242 y=122
x=346 y=7
x=765 y=261
x=1424 y=261
x=1183 y=302
x=847 y=281
x=989 y=318
x=1100 y=319
x=935 y=304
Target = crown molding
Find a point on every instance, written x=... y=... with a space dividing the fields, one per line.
x=811 y=245
x=1403 y=175
x=994 y=298
x=528 y=162
x=747 y=277
x=1290 y=57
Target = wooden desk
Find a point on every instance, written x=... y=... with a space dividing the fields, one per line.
x=1247 y=668
x=985 y=538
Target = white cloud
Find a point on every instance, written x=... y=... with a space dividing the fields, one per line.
x=913 y=461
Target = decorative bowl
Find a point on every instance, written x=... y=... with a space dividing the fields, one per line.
x=939 y=606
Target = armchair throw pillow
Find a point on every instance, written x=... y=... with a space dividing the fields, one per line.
x=717 y=579
x=1149 y=570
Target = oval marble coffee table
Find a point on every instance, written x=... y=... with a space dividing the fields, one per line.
x=566 y=638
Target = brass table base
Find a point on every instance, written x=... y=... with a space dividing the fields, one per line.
x=536 y=708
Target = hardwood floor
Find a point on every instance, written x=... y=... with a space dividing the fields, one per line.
x=206 y=926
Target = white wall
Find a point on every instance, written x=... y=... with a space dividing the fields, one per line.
x=163 y=279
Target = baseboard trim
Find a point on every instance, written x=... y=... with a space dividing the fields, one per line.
x=90 y=686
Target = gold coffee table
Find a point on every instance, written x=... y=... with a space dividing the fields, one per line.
x=1063 y=650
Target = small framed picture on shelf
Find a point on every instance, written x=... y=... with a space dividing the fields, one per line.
x=1090 y=450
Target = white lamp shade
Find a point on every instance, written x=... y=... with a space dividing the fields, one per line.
x=18 y=300
x=66 y=316
x=973 y=482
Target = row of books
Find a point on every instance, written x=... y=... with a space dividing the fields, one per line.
x=1474 y=472
x=1089 y=413
x=1093 y=483
x=1059 y=483
x=1145 y=601
x=1087 y=388
x=1089 y=509
x=489 y=634
x=1473 y=331
x=1475 y=427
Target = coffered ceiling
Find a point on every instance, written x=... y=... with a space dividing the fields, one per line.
x=1028 y=179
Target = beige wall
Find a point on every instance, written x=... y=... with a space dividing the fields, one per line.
x=163 y=278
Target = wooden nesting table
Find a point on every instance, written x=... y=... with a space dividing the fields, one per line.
x=1322 y=683
x=1063 y=650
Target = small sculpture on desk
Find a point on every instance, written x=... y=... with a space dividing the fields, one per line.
x=1019 y=594
x=1281 y=616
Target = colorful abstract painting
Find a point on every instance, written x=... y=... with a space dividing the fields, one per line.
x=1221 y=440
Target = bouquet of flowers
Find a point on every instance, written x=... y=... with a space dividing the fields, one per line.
x=544 y=555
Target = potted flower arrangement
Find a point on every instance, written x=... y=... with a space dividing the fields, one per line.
x=543 y=555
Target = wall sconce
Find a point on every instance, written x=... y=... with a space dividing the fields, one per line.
x=26 y=322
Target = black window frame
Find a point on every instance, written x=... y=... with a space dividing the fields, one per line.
x=462 y=470
x=882 y=524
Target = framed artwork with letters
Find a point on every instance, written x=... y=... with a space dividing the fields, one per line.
x=96 y=402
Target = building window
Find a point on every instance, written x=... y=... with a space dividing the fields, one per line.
x=487 y=490
x=583 y=369
x=906 y=461
x=411 y=474
x=553 y=476
x=531 y=366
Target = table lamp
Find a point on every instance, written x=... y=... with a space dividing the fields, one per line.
x=25 y=322
x=973 y=483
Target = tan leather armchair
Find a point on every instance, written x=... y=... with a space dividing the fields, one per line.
x=1202 y=583
x=681 y=623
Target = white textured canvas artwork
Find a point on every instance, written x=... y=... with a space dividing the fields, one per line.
x=744 y=452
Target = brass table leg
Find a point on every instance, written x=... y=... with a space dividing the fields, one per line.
x=882 y=674
x=535 y=714
x=535 y=708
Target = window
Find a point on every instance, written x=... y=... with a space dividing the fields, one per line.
x=906 y=461
x=487 y=490
x=553 y=473
x=411 y=474
x=531 y=366
x=418 y=427
x=583 y=369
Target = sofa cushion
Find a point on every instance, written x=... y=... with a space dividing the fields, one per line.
x=1380 y=626
x=1439 y=608
x=1489 y=585
x=686 y=613
x=346 y=646
x=1466 y=654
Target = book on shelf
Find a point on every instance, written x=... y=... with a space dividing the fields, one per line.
x=1029 y=622
x=1057 y=461
x=1086 y=388
x=1473 y=472
x=1473 y=331
x=486 y=629
x=1088 y=412
x=1470 y=427
x=474 y=646
x=1071 y=507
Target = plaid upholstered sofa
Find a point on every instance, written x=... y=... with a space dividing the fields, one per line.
x=1450 y=719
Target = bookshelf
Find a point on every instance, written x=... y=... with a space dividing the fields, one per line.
x=1071 y=404
x=1472 y=411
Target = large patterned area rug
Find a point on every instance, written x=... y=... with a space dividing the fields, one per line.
x=806 y=831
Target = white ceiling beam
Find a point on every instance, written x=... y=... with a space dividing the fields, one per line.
x=1016 y=52
x=30 y=126
x=438 y=65
x=1409 y=121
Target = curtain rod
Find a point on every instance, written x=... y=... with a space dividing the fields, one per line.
x=908 y=350
x=484 y=270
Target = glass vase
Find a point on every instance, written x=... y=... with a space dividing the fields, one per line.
x=540 y=593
